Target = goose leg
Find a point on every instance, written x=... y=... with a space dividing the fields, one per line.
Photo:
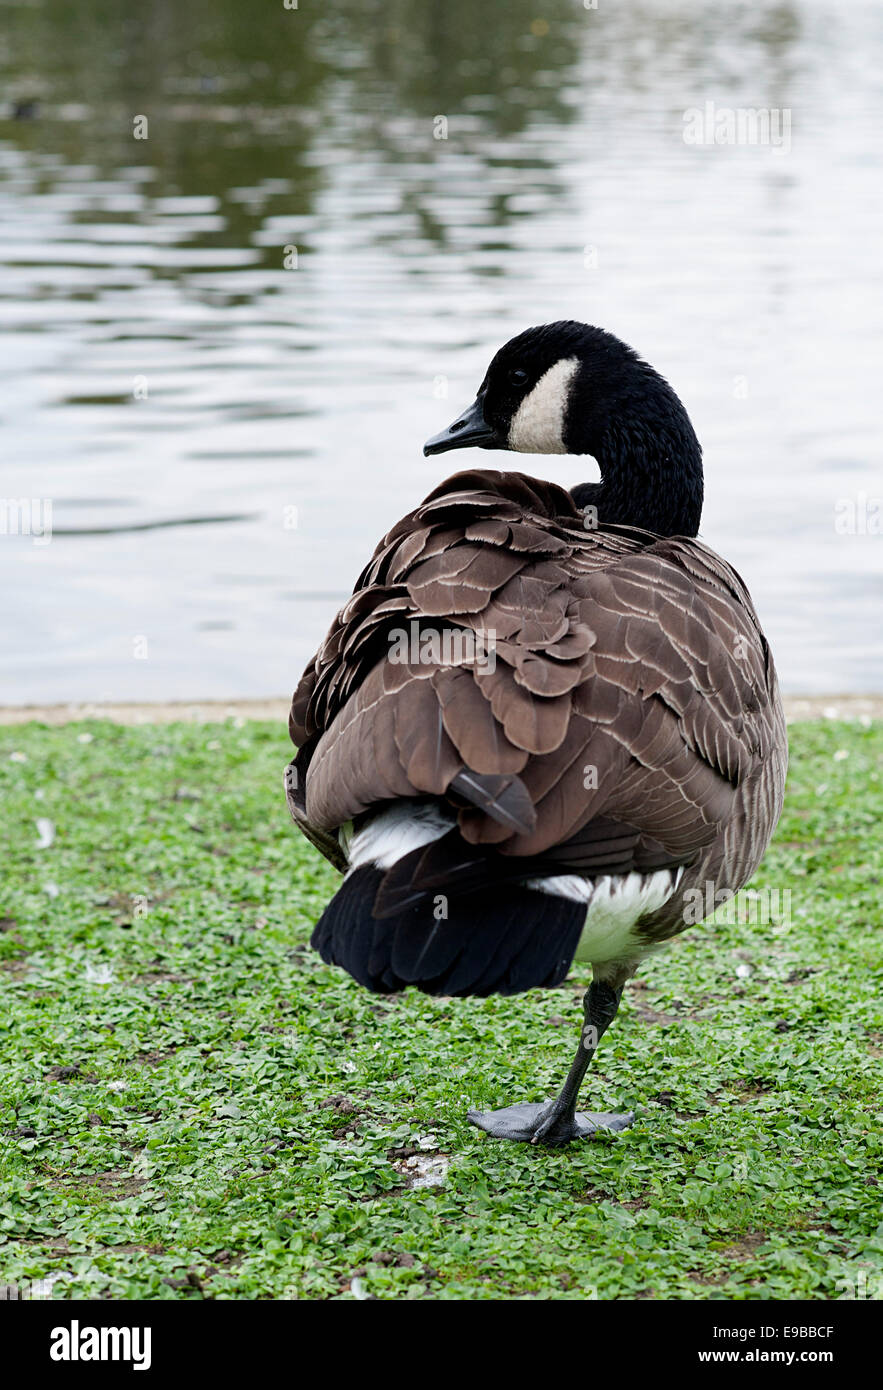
x=557 y=1121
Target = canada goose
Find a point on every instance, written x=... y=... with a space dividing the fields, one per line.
x=546 y=720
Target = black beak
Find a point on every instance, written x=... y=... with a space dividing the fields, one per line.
x=468 y=429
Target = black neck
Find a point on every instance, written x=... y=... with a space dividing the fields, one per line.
x=650 y=461
x=655 y=500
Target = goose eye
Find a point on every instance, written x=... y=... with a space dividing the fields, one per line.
x=518 y=376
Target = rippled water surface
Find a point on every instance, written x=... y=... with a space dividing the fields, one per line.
x=224 y=439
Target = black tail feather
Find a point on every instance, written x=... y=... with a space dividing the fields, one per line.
x=452 y=865
x=446 y=865
x=500 y=940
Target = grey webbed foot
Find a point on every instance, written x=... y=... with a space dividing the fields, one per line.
x=545 y=1124
x=558 y=1121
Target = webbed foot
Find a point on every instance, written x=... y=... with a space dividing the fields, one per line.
x=545 y=1124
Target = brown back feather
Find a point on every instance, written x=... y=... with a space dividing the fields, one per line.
x=633 y=686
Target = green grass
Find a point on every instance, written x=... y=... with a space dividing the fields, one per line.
x=197 y=1148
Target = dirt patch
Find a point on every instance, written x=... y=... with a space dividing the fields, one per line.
x=15 y=969
x=743 y=1246
x=752 y=1086
x=153 y=1059
x=349 y=1112
x=191 y=1280
x=708 y=1280
x=228 y=1259
x=134 y=1249
x=116 y=1183
x=403 y=1259
x=152 y=977
x=276 y=708
x=653 y=1016
x=165 y=712
x=741 y=1249
x=593 y=1196
x=69 y=1072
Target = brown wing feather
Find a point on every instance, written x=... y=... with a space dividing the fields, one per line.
x=633 y=687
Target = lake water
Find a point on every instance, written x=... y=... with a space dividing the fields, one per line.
x=224 y=438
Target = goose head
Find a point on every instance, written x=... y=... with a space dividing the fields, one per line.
x=570 y=388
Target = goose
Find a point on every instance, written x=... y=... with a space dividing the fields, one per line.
x=545 y=721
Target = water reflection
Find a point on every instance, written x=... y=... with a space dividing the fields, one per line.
x=224 y=438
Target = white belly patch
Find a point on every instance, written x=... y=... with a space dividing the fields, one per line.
x=614 y=904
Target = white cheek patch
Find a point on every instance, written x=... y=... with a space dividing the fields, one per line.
x=538 y=424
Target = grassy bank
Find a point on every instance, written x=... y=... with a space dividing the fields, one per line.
x=194 y=1105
